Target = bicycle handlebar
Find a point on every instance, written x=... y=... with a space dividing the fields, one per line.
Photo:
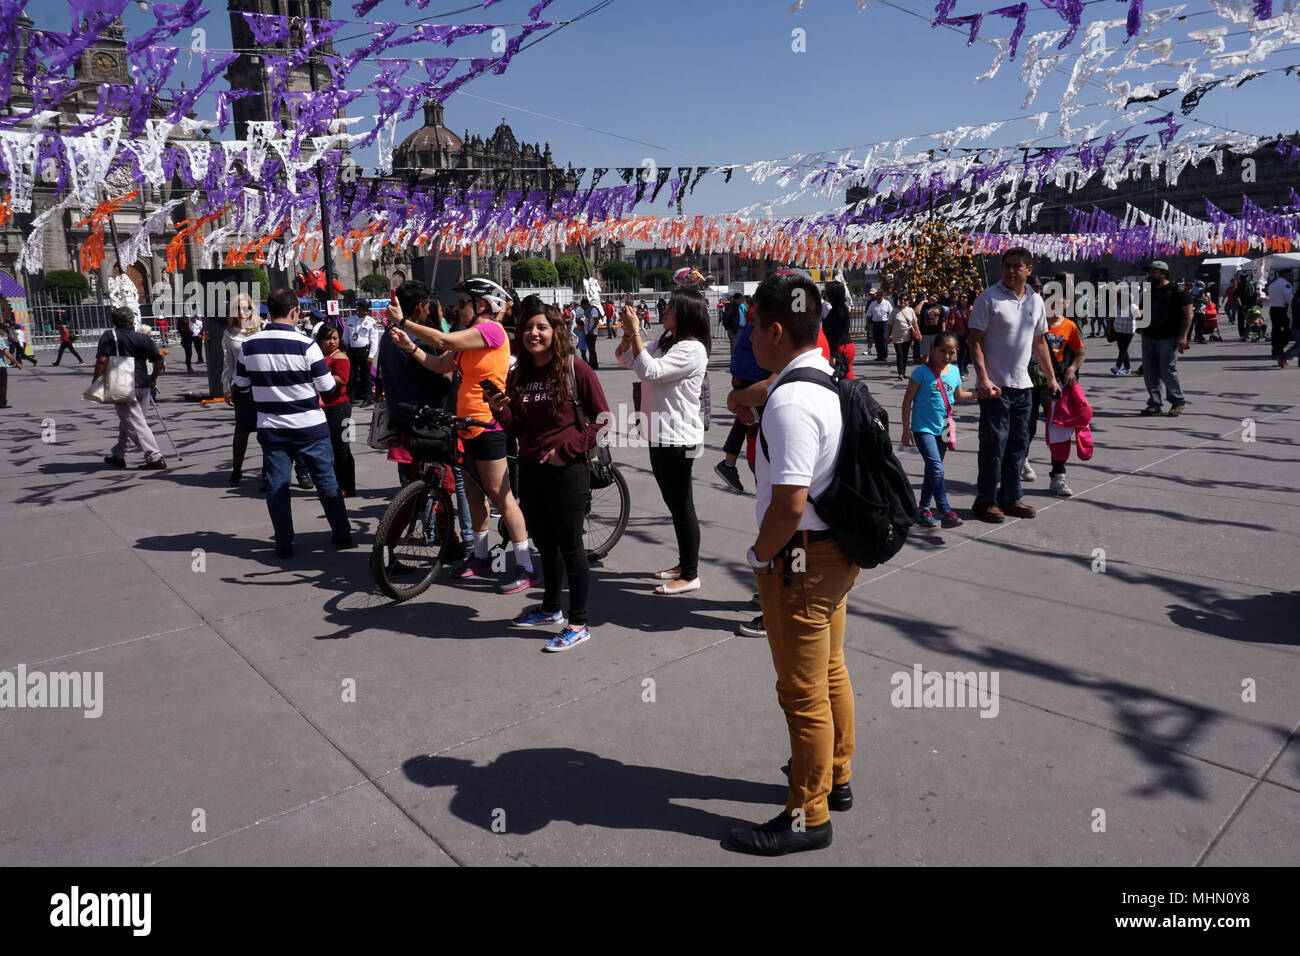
x=434 y=412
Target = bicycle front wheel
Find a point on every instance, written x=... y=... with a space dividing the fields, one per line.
x=608 y=509
x=412 y=540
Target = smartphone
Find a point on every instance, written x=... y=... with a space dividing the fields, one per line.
x=489 y=387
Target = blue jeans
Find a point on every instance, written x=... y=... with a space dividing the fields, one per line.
x=932 y=449
x=1004 y=441
x=1160 y=364
x=278 y=456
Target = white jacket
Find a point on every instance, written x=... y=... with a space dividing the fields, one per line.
x=671 y=390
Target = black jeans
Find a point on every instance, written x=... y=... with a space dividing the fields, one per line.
x=736 y=437
x=4 y=384
x=1122 y=339
x=900 y=355
x=671 y=465
x=878 y=336
x=345 y=467
x=592 y=359
x=359 y=386
x=66 y=347
x=554 y=502
x=963 y=355
x=1281 y=328
x=187 y=343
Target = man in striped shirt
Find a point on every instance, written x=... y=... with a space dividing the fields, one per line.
x=287 y=371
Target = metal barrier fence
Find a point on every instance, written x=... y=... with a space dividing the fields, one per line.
x=88 y=320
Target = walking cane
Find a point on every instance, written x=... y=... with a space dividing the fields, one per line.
x=165 y=429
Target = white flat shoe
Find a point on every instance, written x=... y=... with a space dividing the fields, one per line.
x=691 y=585
x=672 y=575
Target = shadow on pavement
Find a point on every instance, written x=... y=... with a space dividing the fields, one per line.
x=537 y=786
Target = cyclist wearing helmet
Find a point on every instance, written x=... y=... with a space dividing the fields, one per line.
x=479 y=351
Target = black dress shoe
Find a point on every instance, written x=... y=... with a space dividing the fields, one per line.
x=284 y=552
x=114 y=461
x=841 y=795
x=778 y=837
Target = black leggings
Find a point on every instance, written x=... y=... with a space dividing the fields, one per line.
x=900 y=355
x=671 y=465
x=345 y=468
x=1122 y=339
x=554 y=502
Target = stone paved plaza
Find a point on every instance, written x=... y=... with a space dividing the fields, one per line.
x=1119 y=691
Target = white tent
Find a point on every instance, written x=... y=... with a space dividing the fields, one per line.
x=1278 y=260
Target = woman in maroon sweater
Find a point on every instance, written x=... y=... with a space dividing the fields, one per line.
x=537 y=408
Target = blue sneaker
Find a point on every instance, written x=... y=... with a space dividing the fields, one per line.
x=927 y=519
x=569 y=637
x=535 y=616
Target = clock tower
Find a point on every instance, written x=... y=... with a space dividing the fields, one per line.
x=248 y=72
x=103 y=62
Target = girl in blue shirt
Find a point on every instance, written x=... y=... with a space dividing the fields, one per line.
x=925 y=423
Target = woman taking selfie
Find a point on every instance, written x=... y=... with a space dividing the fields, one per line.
x=538 y=408
x=480 y=354
x=672 y=371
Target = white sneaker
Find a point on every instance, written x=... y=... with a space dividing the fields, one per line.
x=1027 y=473
x=1060 y=488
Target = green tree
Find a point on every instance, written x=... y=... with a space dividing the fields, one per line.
x=374 y=285
x=620 y=276
x=67 y=286
x=658 y=279
x=570 y=270
x=534 y=272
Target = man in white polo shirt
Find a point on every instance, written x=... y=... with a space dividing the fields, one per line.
x=1008 y=322
x=879 y=312
x=803 y=574
x=1280 y=292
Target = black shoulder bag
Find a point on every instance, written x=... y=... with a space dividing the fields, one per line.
x=599 y=459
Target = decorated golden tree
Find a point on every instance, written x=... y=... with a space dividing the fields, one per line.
x=933 y=257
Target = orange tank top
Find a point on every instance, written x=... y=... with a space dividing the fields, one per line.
x=474 y=365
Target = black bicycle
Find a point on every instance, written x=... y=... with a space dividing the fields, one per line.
x=417 y=530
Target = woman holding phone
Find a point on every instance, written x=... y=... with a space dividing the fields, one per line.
x=480 y=353
x=672 y=371
x=539 y=407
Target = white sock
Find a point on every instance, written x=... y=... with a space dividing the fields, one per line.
x=523 y=557
x=481 y=548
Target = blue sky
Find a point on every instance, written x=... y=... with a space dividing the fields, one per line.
x=716 y=81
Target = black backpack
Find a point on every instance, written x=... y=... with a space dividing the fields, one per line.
x=869 y=504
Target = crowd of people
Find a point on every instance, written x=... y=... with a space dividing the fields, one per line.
x=525 y=372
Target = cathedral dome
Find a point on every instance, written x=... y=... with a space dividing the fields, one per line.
x=430 y=139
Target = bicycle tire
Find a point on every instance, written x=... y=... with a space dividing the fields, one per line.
x=411 y=542
x=599 y=542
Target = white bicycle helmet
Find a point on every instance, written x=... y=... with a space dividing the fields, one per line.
x=487 y=290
